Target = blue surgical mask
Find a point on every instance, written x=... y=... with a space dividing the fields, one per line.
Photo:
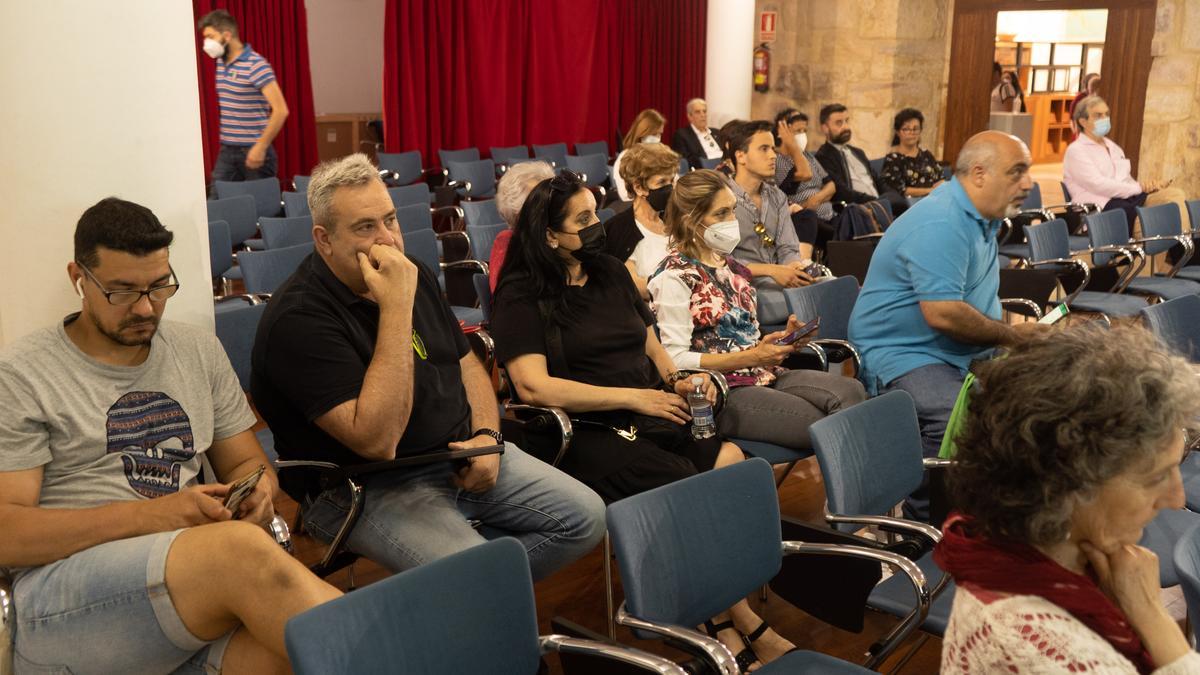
x=1102 y=127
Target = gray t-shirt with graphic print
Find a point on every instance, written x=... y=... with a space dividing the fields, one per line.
x=112 y=433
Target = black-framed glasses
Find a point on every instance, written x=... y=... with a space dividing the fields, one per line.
x=126 y=298
x=910 y=130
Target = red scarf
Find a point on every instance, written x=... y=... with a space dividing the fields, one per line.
x=1019 y=569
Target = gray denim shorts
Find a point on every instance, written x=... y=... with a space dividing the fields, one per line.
x=106 y=610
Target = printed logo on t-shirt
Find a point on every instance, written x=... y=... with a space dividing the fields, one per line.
x=153 y=434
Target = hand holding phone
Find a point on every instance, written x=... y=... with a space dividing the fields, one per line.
x=800 y=332
x=242 y=488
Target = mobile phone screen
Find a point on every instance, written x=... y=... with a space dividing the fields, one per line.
x=799 y=332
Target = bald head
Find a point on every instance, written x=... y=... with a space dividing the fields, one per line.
x=993 y=168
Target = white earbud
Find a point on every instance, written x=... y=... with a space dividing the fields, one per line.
x=79 y=286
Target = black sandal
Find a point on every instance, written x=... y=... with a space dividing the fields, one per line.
x=744 y=658
x=755 y=634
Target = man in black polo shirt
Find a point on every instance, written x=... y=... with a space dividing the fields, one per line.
x=358 y=358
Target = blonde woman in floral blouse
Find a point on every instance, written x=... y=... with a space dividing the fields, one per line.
x=908 y=168
x=706 y=311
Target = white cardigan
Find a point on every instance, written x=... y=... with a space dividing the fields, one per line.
x=1029 y=634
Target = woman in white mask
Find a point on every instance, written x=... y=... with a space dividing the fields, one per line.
x=647 y=127
x=706 y=311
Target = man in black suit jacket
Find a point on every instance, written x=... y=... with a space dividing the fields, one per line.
x=848 y=166
x=696 y=141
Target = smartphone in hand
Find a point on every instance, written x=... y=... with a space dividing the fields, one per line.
x=799 y=332
x=242 y=488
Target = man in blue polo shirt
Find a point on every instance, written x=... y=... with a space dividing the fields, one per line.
x=930 y=305
x=251 y=103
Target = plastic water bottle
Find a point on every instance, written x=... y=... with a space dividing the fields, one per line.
x=703 y=425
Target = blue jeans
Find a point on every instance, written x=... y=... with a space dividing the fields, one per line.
x=231 y=164
x=106 y=610
x=934 y=389
x=413 y=517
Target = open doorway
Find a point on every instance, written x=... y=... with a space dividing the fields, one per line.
x=1043 y=59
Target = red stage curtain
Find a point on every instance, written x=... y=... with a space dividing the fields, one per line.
x=278 y=30
x=482 y=73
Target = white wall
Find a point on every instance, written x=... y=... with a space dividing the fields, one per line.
x=729 y=60
x=345 y=53
x=100 y=99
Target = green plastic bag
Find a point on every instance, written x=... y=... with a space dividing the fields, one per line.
x=958 y=419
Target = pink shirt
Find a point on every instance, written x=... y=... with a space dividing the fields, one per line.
x=1094 y=175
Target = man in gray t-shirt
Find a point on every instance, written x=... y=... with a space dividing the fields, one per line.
x=121 y=555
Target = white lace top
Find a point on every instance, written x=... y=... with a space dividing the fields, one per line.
x=1029 y=634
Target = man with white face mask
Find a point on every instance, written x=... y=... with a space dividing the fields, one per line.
x=251 y=102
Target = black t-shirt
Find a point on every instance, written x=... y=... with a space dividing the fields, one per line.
x=312 y=350
x=605 y=346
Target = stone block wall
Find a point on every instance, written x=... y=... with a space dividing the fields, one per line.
x=874 y=56
x=1171 y=129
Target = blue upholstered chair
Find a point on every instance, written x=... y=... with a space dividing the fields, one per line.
x=265 y=192
x=471 y=612
x=265 y=271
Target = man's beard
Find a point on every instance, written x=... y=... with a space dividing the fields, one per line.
x=120 y=339
x=842 y=138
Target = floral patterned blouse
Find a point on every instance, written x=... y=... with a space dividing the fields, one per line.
x=706 y=310
x=901 y=171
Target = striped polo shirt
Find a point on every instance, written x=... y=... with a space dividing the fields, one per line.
x=244 y=109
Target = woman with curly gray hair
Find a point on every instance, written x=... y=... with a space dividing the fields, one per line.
x=1072 y=445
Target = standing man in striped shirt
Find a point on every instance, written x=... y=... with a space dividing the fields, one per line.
x=251 y=103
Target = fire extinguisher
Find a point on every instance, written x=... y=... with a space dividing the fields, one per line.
x=762 y=68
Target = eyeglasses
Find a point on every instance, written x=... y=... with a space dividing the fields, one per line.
x=566 y=181
x=761 y=231
x=126 y=298
x=910 y=130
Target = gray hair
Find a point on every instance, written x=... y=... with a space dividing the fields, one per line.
x=692 y=103
x=1058 y=417
x=327 y=177
x=1083 y=108
x=516 y=184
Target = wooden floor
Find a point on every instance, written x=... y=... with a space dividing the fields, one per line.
x=577 y=592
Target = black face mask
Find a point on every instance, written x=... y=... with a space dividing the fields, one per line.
x=591 y=242
x=658 y=197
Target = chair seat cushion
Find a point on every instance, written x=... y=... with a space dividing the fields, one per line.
x=897 y=597
x=1165 y=287
x=1020 y=251
x=256 y=244
x=774 y=454
x=1191 y=272
x=802 y=663
x=1111 y=304
x=234 y=272
x=471 y=316
x=1160 y=536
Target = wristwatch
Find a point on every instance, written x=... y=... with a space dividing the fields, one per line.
x=484 y=431
x=675 y=377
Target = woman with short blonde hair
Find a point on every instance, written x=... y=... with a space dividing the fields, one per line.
x=646 y=128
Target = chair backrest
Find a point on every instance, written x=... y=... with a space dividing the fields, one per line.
x=237 y=323
x=295 y=204
x=832 y=300
x=877 y=166
x=1107 y=228
x=220 y=250
x=422 y=245
x=1158 y=221
x=482 y=212
x=1066 y=192
x=1048 y=240
x=464 y=155
x=480 y=173
x=1187 y=565
x=482 y=237
x=1034 y=199
x=710 y=163
x=483 y=291
x=604 y=214
x=870 y=455
x=1193 y=209
x=264 y=271
x=684 y=166
x=406 y=165
x=594 y=148
x=265 y=192
x=1175 y=322
x=471 y=612
x=1035 y=285
x=676 y=544
x=239 y=212
x=509 y=154
x=554 y=152
x=594 y=167
x=407 y=195
x=414 y=217
x=300 y=183
x=283 y=232
x=850 y=258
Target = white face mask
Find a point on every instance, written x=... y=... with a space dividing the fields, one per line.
x=213 y=48
x=652 y=139
x=723 y=237
x=802 y=140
